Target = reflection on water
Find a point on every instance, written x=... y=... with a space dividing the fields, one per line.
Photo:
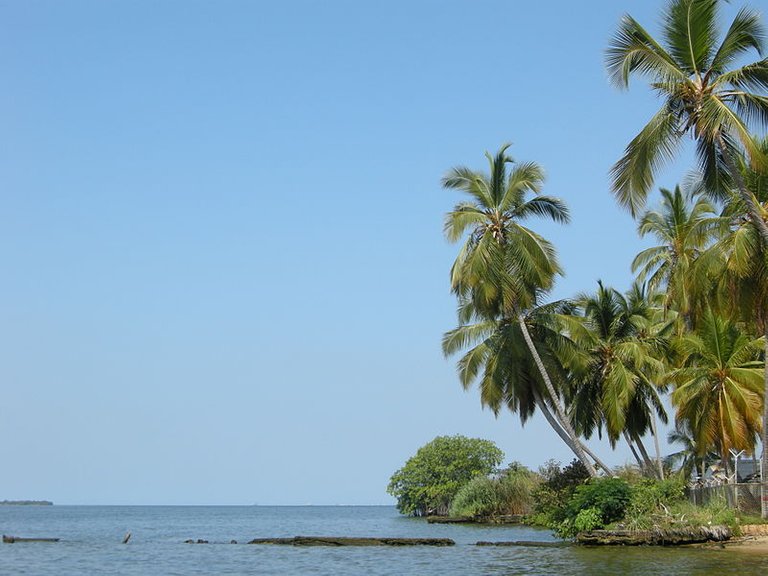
x=92 y=535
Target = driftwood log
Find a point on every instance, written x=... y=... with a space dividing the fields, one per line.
x=671 y=537
x=345 y=541
x=14 y=539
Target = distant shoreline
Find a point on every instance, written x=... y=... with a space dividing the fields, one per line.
x=26 y=503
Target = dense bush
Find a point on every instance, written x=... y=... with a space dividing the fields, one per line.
x=511 y=492
x=555 y=491
x=481 y=497
x=653 y=497
x=431 y=478
x=600 y=502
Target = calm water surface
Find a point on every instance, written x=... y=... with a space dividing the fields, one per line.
x=91 y=537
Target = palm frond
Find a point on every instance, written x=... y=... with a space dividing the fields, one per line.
x=633 y=50
x=690 y=31
x=745 y=32
x=656 y=144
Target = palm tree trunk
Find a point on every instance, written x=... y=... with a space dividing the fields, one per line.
x=577 y=448
x=632 y=449
x=558 y=428
x=597 y=460
x=655 y=431
x=764 y=440
x=552 y=420
x=646 y=457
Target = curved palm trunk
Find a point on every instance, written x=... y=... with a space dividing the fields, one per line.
x=628 y=440
x=577 y=447
x=655 y=431
x=558 y=428
x=646 y=457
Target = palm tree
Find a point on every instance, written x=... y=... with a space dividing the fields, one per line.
x=740 y=265
x=497 y=356
x=615 y=369
x=718 y=390
x=684 y=226
x=502 y=270
x=702 y=98
x=691 y=457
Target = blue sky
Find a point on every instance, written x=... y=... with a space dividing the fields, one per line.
x=224 y=279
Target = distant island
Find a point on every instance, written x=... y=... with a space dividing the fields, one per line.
x=25 y=503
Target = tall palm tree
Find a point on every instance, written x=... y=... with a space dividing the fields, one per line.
x=718 y=390
x=615 y=369
x=740 y=265
x=499 y=275
x=702 y=97
x=684 y=225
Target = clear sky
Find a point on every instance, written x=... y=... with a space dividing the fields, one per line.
x=223 y=278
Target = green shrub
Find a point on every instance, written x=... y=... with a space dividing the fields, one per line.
x=588 y=519
x=517 y=484
x=433 y=476
x=481 y=497
x=652 y=501
x=555 y=491
x=509 y=493
x=610 y=496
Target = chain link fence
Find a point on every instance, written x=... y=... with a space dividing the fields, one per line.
x=745 y=497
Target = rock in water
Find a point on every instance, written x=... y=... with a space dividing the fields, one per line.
x=346 y=541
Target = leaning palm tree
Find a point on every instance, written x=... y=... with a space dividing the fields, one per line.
x=497 y=357
x=719 y=388
x=499 y=276
x=702 y=97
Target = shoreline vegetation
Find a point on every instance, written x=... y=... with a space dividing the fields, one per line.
x=26 y=503
x=457 y=480
x=690 y=333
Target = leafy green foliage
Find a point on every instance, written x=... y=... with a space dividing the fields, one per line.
x=481 y=497
x=600 y=502
x=610 y=496
x=509 y=493
x=431 y=478
x=588 y=519
x=557 y=488
x=654 y=499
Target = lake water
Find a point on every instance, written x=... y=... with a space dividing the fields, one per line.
x=91 y=544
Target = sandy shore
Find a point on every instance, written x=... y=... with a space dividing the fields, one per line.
x=754 y=539
x=750 y=544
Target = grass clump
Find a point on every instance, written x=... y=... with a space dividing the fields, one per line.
x=510 y=492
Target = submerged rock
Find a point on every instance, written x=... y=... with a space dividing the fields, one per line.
x=528 y=543
x=669 y=537
x=347 y=541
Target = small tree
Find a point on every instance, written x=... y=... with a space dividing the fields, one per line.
x=432 y=477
